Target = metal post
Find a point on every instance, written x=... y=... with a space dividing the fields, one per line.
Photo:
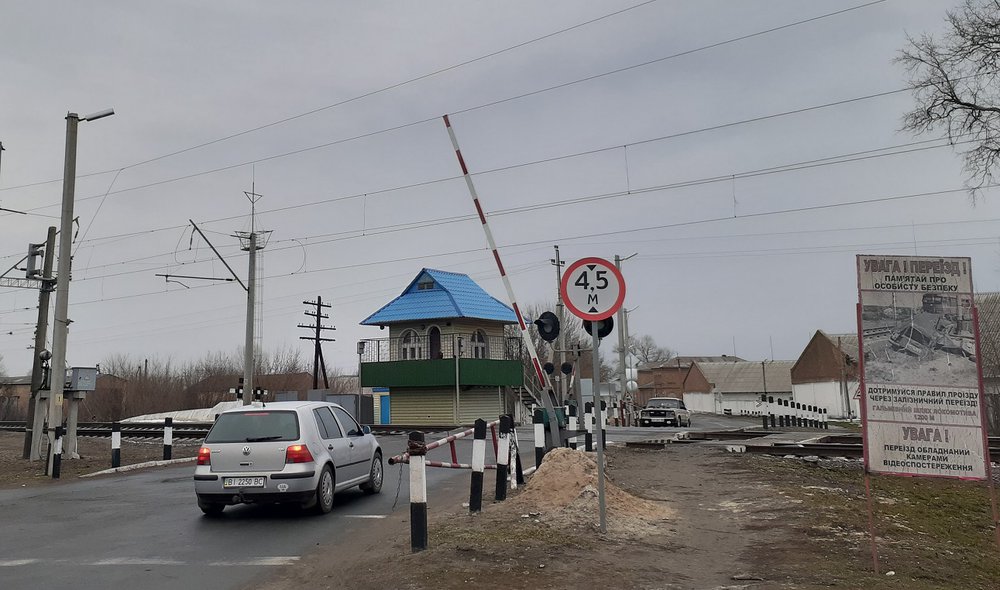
x=597 y=429
x=61 y=327
x=561 y=338
x=248 y=348
x=72 y=420
x=36 y=412
x=622 y=377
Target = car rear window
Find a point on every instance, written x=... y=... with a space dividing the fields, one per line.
x=664 y=403
x=257 y=426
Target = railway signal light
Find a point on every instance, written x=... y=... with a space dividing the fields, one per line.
x=548 y=326
x=604 y=326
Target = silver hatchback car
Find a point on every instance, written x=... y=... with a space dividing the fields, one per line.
x=286 y=452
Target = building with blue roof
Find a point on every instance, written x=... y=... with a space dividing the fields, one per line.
x=446 y=360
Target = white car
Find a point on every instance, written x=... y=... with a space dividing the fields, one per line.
x=285 y=452
x=664 y=411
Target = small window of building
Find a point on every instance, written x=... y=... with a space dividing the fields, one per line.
x=410 y=346
x=424 y=284
x=479 y=348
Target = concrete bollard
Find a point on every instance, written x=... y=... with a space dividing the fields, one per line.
x=537 y=420
x=503 y=456
x=417 y=449
x=57 y=453
x=571 y=424
x=168 y=438
x=116 y=444
x=478 y=466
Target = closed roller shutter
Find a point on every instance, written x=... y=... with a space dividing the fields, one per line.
x=422 y=407
x=474 y=404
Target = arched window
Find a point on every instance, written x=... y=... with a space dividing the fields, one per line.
x=479 y=349
x=410 y=346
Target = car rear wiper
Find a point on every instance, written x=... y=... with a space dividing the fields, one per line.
x=263 y=438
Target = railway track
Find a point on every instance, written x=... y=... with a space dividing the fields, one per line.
x=196 y=430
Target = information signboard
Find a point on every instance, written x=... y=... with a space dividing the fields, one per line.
x=921 y=402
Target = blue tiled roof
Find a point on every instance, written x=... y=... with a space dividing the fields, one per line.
x=437 y=295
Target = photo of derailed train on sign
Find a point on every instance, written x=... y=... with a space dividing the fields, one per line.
x=923 y=338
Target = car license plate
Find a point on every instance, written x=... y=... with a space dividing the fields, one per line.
x=243 y=482
x=658 y=419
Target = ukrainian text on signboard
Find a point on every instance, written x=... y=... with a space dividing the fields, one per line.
x=921 y=397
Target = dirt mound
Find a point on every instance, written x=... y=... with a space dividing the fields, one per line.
x=564 y=491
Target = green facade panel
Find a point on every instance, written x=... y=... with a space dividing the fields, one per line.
x=441 y=373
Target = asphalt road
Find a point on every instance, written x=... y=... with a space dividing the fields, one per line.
x=144 y=529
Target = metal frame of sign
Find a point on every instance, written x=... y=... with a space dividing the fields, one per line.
x=594 y=317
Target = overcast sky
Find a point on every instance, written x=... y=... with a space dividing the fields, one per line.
x=719 y=269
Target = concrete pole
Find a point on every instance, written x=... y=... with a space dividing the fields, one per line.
x=60 y=329
x=248 y=348
x=624 y=331
x=561 y=339
x=36 y=411
x=622 y=379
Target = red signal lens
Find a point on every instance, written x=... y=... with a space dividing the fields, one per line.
x=204 y=456
x=298 y=454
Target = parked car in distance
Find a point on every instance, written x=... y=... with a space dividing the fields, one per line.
x=664 y=411
x=285 y=452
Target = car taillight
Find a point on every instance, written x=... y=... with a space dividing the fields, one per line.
x=204 y=456
x=298 y=454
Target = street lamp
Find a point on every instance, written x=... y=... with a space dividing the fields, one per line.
x=59 y=330
x=622 y=336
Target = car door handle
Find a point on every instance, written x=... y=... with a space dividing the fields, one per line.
x=330 y=447
x=352 y=445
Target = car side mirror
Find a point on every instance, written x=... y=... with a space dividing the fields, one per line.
x=366 y=429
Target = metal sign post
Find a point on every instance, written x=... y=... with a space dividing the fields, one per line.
x=593 y=289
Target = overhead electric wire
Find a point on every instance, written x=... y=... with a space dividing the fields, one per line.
x=406 y=226
x=354 y=98
x=476 y=107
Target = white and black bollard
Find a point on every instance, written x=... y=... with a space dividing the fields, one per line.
x=588 y=420
x=168 y=438
x=503 y=454
x=478 y=466
x=823 y=417
x=538 y=421
x=516 y=452
x=57 y=453
x=417 y=449
x=797 y=415
x=763 y=414
x=116 y=444
x=571 y=423
x=603 y=415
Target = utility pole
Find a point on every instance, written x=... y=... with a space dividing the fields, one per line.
x=36 y=413
x=318 y=339
x=622 y=338
x=57 y=377
x=251 y=242
x=561 y=339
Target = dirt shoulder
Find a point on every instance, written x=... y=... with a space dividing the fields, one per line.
x=95 y=455
x=687 y=517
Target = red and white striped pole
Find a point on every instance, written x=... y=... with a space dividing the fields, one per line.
x=525 y=337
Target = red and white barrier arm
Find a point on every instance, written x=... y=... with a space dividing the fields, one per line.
x=404 y=458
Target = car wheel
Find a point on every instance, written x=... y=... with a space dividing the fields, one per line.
x=211 y=508
x=374 y=483
x=324 y=491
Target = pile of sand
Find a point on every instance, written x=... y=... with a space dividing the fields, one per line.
x=563 y=491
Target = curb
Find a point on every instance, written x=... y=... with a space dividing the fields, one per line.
x=138 y=466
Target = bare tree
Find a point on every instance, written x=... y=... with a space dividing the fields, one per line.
x=954 y=82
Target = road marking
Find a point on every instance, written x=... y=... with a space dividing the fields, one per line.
x=16 y=562
x=364 y=516
x=267 y=561
x=136 y=561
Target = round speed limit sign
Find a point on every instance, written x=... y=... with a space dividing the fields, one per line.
x=593 y=289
